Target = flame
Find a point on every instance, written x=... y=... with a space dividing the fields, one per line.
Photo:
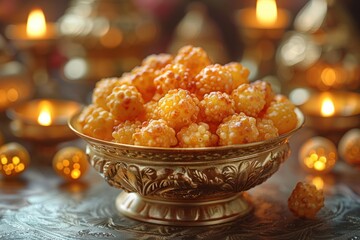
x=44 y=117
x=327 y=107
x=266 y=12
x=36 y=24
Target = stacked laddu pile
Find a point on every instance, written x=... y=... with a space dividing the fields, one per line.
x=186 y=101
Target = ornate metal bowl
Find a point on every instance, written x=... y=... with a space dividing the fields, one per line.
x=186 y=186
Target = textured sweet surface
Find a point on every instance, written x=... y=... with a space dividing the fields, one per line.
x=196 y=135
x=305 y=200
x=186 y=89
x=156 y=133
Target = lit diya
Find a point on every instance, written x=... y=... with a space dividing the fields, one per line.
x=43 y=119
x=332 y=111
x=36 y=28
x=266 y=15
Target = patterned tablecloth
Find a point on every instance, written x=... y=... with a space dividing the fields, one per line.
x=39 y=205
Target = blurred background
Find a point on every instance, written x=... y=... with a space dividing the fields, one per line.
x=104 y=38
x=302 y=47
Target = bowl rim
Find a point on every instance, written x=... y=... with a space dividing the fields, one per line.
x=73 y=126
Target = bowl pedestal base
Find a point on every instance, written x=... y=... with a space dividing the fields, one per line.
x=182 y=213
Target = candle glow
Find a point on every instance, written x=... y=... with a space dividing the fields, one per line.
x=327 y=107
x=266 y=12
x=45 y=118
x=36 y=24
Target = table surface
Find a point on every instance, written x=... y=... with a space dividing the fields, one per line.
x=40 y=205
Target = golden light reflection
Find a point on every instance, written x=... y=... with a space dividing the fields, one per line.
x=328 y=76
x=45 y=115
x=14 y=159
x=318 y=182
x=349 y=147
x=12 y=95
x=4 y=160
x=8 y=96
x=112 y=38
x=316 y=162
x=75 y=174
x=266 y=12
x=319 y=160
x=327 y=107
x=36 y=24
x=321 y=182
x=318 y=155
x=70 y=163
x=3 y=98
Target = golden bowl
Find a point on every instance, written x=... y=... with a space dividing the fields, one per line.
x=186 y=186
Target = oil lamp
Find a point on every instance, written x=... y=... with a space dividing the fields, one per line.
x=266 y=15
x=332 y=111
x=262 y=28
x=43 y=120
x=36 y=29
x=36 y=38
x=43 y=124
